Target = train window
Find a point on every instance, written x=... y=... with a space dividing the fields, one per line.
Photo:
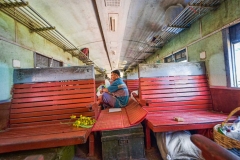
x=41 y=61
x=236 y=58
x=180 y=56
x=231 y=42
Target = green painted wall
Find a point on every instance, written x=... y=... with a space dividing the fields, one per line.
x=205 y=35
x=17 y=42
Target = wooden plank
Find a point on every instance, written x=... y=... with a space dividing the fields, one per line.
x=46 y=108
x=156 y=87
x=176 y=103
x=48 y=112
x=171 y=78
x=52 y=84
x=176 y=94
x=37 y=130
x=49 y=117
x=175 y=90
x=43 y=141
x=52 y=98
x=51 y=93
x=56 y=102
x=57 y=88
x=180 y=127
x=178 y=107
x=167 y=82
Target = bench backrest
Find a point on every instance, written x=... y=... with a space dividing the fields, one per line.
x=38 y=103
x=132 y=84
x=132 y=81
x=173 y=87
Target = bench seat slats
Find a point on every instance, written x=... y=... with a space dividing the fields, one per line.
x=49 y=112
x=43 y=141
x=176 y=94
x=192 y=126
x=173 y=82
x=176 y=103
x=158 y=121
x=183 y=77
x=172 y=99
x=56 y=102
x=132 y=84
x=40 y=123
x=179 y=107
x=51 y=93
x=34 y=131
x=153 y=87
x=177 y=90
x=49 y=117
x=32 y=90
x=53 y=84
x=81 y=106
x=42 y=102
x=49 y=98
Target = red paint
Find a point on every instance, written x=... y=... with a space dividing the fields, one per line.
x=211 y=150
x=132 y=84
x=40 y=114
x=225 y=99
x=187 y=97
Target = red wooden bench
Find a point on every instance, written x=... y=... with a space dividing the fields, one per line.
x=132 y=84
x=211 y=150
x=173 y=92
x=42 y=102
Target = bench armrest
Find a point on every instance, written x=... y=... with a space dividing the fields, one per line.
x=210 y=149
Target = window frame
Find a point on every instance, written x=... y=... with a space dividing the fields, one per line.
x=50 y=61
x=174 y=55
x=229 y=56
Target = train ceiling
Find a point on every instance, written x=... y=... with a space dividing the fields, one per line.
x=118 y=33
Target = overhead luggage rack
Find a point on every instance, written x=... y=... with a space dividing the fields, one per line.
x=22 y=12
x=192 y=12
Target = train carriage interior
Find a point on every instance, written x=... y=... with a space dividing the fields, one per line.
x=179 y=59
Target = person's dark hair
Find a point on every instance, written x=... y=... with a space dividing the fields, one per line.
x=116 y=72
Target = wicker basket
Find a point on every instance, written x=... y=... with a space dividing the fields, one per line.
x=223 y=140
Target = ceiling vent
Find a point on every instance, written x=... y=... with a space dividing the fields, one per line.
x=112 y=3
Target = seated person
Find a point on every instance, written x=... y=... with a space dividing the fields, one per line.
x=116 y=95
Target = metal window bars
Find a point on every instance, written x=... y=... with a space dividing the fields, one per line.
x=22 y=12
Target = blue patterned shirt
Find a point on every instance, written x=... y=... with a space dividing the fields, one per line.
x=119 y=89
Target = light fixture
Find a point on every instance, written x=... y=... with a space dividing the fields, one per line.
x=113 y=17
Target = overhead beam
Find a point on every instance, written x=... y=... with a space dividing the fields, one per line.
x=42 y=29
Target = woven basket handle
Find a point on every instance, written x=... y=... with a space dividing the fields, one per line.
x=230 y=115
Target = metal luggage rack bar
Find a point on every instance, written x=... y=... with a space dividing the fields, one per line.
x=22 y=12
x=192 y=12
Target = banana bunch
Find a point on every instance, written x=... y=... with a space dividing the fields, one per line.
x=83 y=121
